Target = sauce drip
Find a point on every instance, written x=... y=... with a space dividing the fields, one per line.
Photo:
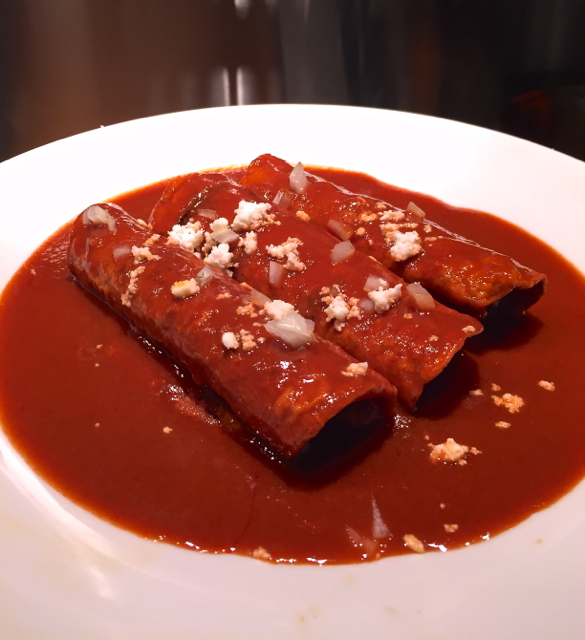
x=118 y=427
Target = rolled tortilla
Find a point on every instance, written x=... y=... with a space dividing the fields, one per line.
x=459 y=272
x=207 y=321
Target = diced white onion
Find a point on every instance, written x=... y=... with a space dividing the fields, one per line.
x=373 y=283
x=275 y=273
x=204 y=276
x=340 y=229
x=341 y=251
x=258 y=298
x=98 y=215
x=225 y=235
x=120 y=252
x=354 y=536
x=292 y=329
x=207 y=213
x=420 y=296
x=283 y=198
x=369 y=546
x=298 y=179
x=379 y=528
x=365 y=304
x=414 y=209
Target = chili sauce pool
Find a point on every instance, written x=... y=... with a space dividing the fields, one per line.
x=118 y=427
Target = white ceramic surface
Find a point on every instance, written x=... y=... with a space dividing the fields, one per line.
x=67 y=575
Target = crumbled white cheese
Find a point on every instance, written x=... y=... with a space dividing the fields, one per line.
x=384 y=298
x=249 y=242
x=219 y=225
x=405 y=245
x=260 y=553
x=251 y=215
x=338 y=309
x=249 y=309
x=549 y=386
x=248 y=341
x=288 y=250
x=229 y=340
x=412 y=542
x=155 y=237
x=185 y=288
x=188 y=236
x=277 y=309
x=503 y=425
x=509 y=401
x=450 y=528
x=367 y=216
x=469 y=329
x=303 y=215
x=356 y=369
x=132 y=285
x=450 y=451
x=293 y=263
x=280 y=251
x=209 y=243
x=392 y=216
x=143 y=254
x=220 y=257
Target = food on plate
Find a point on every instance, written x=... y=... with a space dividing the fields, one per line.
x=459 y=272
x=117 y=425
x=355 y=302
x=277 y=376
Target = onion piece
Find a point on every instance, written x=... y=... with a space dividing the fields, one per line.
x=368 y=546
x=298 y=179
x=373 y=283
x=292 y=329
x=258 y=298
x=283 y=198
x=365 y=304
x=379 y=527
x=99 y=215
x=204 y=276
x=207 y=213
x=341 y=251
x=340 y=229
x=275 y=273
x=422 y=299
x=225 y=235
x=415 y=210
x=353 y=535
x=120 y=252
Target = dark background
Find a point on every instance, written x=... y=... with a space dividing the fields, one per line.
x=67 y=66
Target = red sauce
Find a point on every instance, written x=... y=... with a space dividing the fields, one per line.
x=86 y=400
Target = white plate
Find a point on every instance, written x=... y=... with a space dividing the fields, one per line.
x=67 y=575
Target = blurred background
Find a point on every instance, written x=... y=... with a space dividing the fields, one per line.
x=67 y=66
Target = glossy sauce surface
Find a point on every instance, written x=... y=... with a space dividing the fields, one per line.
x=119 y=428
